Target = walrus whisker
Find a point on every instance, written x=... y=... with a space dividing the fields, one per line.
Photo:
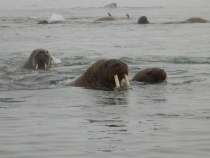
x=126 y=81
x=117 y=81
x=37 y=66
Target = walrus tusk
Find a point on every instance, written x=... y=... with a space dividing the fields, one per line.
x=37 y=66
x=127 y=81
x=117 y=81
x=45 y=65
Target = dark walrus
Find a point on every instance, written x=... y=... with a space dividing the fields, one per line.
x=196 y=20
x=103 y=74
x=39 y=59
x=143 y=20
x=150 y=75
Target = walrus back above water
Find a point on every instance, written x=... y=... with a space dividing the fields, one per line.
x=196 y=20
x=109 y=18
x=103 y=74
x=143 y=20
x=39 y=59
x=150 y=75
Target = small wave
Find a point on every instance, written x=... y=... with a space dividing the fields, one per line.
x=160 y=59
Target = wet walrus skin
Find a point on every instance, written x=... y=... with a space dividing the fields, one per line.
x=150 y=75
x=196 y=20
x=109 y=18
x=101 y=74
x=143 y=20
x=39 y=59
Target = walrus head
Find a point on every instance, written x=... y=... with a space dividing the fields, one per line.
x=150 y=75
x=143 y=20
x=114 y=71
x=39 y=59
x=156 y=75
x=103 y=74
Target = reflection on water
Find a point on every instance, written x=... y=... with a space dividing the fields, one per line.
x=109 y=97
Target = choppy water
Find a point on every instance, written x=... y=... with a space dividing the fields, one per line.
x=41 y=118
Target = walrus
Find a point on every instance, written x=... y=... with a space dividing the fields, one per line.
x=143 y=20
x=150 y=75
x=39 y=59
x=109 y=18
x=43 y=22
x=196 y=20
x=46 y=22
x=104 y=73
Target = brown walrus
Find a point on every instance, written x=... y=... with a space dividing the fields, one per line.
x=150 y=75
x=103 y=74
x=39 y=59
x=196 y=20
x=109 y=18
x=143 y=20
x=43 y=22
x=46 y=22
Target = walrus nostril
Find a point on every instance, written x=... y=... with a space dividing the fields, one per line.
x=41 y=52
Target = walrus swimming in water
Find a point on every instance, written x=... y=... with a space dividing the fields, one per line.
x=143 y=20
x=196 y=20
x=39 y=59
x=43 y=22
x=46 y=22
x=150 y=75
x=103 y=74
x=109 y=18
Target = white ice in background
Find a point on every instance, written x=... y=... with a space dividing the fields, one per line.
x=55 y=18
x=33 y=18
x=56 y=60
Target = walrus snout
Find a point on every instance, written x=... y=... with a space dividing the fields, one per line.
x=39 y=59
x=161 y=75
x=42 y=59
x=42 y=52
x=118 y=72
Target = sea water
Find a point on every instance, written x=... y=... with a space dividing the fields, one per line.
x=41 y=117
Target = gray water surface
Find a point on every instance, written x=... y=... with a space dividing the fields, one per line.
x=40 y=117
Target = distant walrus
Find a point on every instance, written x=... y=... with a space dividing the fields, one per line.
x=143 y=20
x=196 y=20
x=111 y=5
x=109 y=18
x=43 y=22
x=150 y=75
x=46 y=22
x=39 y=59
x=103 y=74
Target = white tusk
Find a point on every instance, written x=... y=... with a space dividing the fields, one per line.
x=117 y=81
x=45 y=65
x=127 y=81
x=37 y=66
